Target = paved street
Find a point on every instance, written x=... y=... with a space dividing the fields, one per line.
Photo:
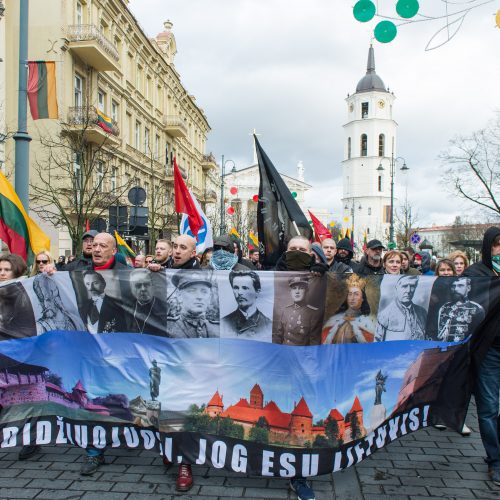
x=429 y=464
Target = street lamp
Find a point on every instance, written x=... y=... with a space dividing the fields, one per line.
x=222 y=213
x=404 y=168
x=346 y=207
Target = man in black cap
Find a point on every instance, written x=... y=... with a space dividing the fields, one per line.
x=195 y=296
x=344 y=254
x=300 y=323
x=85 y=260
x=224 y=257
x=371 y=263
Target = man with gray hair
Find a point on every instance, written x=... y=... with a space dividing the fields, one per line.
x=402 y=319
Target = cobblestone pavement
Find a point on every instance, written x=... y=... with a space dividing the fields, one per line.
x=429 y=464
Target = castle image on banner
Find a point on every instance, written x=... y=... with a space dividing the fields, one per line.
x=295 y=428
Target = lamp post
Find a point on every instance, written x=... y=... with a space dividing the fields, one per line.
x=392 y=172
x=222 y=213
x=353 y=211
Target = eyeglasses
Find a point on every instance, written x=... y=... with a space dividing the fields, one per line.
x=42 y=261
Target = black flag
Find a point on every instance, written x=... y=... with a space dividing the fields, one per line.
x=279 y=216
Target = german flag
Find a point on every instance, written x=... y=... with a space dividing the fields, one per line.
x=17 y=230
x=42 y=95
x=104 y=122
x=124 y=249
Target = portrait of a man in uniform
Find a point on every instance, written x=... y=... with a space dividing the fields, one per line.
x=460 y=316
x=194 y=297
x=402 y=319
x=300 y=322
x=352 y=323
x=246 y=321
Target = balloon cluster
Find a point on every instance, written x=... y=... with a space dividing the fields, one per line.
x=385 y=31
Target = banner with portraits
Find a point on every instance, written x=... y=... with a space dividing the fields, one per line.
x=267 y=373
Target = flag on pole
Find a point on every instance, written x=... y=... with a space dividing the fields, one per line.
x=320 y=231
x=184 y=203
x=17 y=230
x=279 y=216
x=253 y=241
x=123 y=249
x=365 y=241
x=42 y=94
x=205 y=235
x=87 y=225
x=235 y=233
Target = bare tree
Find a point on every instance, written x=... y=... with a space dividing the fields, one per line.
x=406 y=218
x=77 y=176
x=473 y=167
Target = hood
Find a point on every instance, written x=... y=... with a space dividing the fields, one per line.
x=316 y=248
x=488 y=238
x=426 y=261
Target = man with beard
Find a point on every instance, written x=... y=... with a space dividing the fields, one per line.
x=459 y=316
x=300 y=323
x=246 y=321
x=163 y=256
x=195 y=297
x=149 y=313
x=344 y=254
x=402 y=319
x=371 y=263
x=330 y=250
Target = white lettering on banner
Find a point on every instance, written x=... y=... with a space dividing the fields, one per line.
x=43 y=432
x=393 y=428
x=350 y=458
x=27 y=434
x=99 y=437
x=203 y=452
x=9 y=437
x=219 y=450
x=69 y=433
x=359 y=452
x=381 y=436
x=286 y=462
x=337 y=461
x=239 y=458
x=131 y=437
x=115 y=439
x=81 y=436
x=370 y=438
x=149 y=439
x=267 y=462
x=310 y=463
x=414 y=420
x=167 y=449
x=61 y=438
x=403 y=424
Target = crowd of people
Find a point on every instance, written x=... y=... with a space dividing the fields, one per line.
x=99 y=252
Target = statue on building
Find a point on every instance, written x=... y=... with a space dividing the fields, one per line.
x=379 y=387
x=154 y=380
x=300 y=171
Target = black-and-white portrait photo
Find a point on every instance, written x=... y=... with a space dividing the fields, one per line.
x=193 y=310
x=403 y=308
x=16 y=313
x=460 y=316
x=298 y=308
x=354 y=321
x=250 y=312
x=54 y=303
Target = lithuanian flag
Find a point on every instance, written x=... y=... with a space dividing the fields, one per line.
x=42 y=89
x=17 y=230
x=104 y=122
x=124 y=249
x=233 y=232
x=253 y=240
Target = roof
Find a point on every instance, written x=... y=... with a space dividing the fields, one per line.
x=371 y=81
x=335 y=415
x=271 y=406
x=79 y=387
x=356 y=406
x=302 y=410
x=216 y=400
x=256 y=388
x=243 y=403
x=252 y=415
x=14 y=366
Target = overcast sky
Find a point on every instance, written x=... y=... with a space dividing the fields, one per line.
x=284 y=67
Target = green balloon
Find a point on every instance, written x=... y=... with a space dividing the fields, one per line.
x=391 y=245
x=407 y=8
x=364 y=10
x=294 y=194
x=385 y=31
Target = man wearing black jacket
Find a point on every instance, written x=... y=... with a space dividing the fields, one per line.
x=371 y=263
x=487 y=387
x=85 y=259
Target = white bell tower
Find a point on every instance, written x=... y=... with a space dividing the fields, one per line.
x=370 y=140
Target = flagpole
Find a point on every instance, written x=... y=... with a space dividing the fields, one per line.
x=21 y=137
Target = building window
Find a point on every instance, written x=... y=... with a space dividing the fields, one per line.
x=348 y=148
x=79 y=13
x=369 y=210
x=78 y=91
x=157 y=147
x=100 y=177
x=114 y=111
x=364 y=110
x=381 y=145
x=137 y=141
x=101 y=100
x=387 y=214
x=380 y=183
x=146 y=140
x=114 y=175
x=77 y=171
x=364 y=145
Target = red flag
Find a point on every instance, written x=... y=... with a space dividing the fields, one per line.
x=320 y=231
x=87 y=225
x=184 y=203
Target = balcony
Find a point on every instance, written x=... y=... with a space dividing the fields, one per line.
x=84 y=120
x=175 y=127
x=170 y=173
x=211 y=196
x=208 y=162
x=91 y=46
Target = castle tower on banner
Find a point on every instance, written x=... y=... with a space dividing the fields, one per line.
x=370 y=141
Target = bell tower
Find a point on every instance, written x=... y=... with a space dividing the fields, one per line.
x=370 y=140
